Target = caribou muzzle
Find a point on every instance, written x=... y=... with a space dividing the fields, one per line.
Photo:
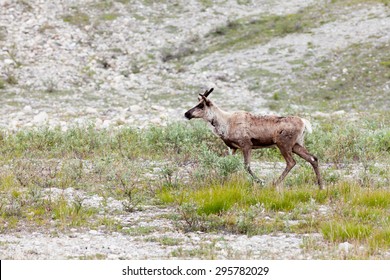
x=188 y=115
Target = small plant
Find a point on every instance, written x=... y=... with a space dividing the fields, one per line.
x=50 y=85
x=167 y=175
x=109 y=17
x=385 y=63
x=3 y=33
x=135 y=68
x=12 y=53
x=126 y=184
x=229 y=165
x=141 y=230
x=78 y=204
x=2 y=84
x=45 y=27
x=170 y=53
x=191 y=219
x=78 y=18
x=194 y=220
x=68 y=214
x=11 y=79
x=179 y=52
x=92 y=257
x=169 y=241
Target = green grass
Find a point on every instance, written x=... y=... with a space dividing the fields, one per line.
x=216 y=198
x=356 y=215
x=345 y=231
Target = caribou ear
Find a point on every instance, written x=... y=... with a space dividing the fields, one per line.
x=205 y=99
x=207 y=92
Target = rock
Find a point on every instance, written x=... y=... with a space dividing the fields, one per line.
x=157 y=121
x=91 y=110
x=9 y=61
x=338 y=113
x=135 y=108
x=158 y=108
x=345 y=246
x=98 y=123
x=106 y=124
x=41 y=118
x=323 y=209
x=27 y=108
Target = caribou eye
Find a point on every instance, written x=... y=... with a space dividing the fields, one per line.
x=200 y=106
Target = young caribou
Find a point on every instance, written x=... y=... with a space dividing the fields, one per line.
x=246 y=131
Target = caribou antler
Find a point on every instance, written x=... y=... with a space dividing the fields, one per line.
x=207 y=92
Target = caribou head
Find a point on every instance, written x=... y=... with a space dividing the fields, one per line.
x=201 y=109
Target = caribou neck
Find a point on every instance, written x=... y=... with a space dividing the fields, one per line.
x=219 y=120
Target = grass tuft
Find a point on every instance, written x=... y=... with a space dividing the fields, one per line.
x=345 y=231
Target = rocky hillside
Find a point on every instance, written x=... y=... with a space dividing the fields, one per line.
x=125 y=62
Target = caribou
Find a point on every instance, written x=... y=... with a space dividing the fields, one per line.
x=246 y=131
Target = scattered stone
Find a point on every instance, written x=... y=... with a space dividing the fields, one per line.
x=91 y=110
x=135 y=108
x=41 y=118
x=323 y=209
x=27 y=108
x=106 y=124
x=8 y=61
x=158 y=108
x=345 y=246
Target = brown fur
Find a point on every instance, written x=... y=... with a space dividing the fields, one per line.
x=246 y=131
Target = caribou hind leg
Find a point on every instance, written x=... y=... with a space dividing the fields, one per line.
x=303 y=153
x=290 y=163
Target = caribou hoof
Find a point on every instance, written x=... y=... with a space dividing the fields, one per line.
x=258 y=181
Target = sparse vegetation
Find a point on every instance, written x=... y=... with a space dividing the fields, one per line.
x=3 y=33
x=355 y=80
x=77 y=18
x=11 y=79
x=2 y=84
x=109 y=16
x=216 y=196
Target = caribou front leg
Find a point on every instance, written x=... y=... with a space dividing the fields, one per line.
x=247 y=151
